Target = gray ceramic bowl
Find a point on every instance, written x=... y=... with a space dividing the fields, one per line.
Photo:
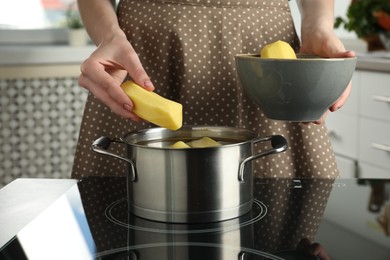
x=298 y=90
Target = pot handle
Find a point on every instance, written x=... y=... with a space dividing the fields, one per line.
x=101 y=145
x=241 y=256
x=279 y=144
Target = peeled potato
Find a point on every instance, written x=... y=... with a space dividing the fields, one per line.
x=153 y=107
x=180 y=144
x=199 y=143
x=278 y=50
x=204 y=142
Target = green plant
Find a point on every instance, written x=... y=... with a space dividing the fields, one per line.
x=73 y=19
x=361 y=18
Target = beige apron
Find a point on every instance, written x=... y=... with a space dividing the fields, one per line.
x=187 y=47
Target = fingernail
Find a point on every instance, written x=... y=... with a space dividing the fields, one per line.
x=350 y=52
x=148 y=84
x=337 y=108
x=128 y=107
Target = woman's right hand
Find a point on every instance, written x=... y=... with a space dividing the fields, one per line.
x=104 y=71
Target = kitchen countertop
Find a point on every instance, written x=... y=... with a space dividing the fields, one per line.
x=376 y=61
x=16 y=205
x=64 y=54
x=21 y=55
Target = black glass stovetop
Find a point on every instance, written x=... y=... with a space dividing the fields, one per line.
x=344 y=218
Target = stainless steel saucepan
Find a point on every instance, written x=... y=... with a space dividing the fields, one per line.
x=190 y=185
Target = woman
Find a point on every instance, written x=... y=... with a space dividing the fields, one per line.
x=184 y=50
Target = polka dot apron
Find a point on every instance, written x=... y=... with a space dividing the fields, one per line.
x=187 y=47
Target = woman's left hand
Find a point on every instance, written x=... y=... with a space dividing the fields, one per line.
x=318 y=38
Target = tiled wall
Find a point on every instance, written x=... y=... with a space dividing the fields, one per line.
x=39 y=125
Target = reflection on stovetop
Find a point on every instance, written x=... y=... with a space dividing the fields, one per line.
x=114 y=212
x=91 y=221
x=253 y=233
x=275 y=223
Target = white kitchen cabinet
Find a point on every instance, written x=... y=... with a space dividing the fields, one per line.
x=343 y=131
x=360 y=131
x=374 y=142
x=375 y=95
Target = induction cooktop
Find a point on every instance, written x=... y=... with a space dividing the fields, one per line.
x=89 y=219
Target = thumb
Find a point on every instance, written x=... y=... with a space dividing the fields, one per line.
x=344 y=54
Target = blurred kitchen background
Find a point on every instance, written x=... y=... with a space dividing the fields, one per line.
x=42 y=104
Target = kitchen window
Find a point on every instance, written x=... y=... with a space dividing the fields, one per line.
x=33 y=21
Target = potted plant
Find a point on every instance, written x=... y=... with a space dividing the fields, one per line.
x=77 y=35
x=369 y=19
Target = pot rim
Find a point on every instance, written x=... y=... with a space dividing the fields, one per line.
x=237 y=136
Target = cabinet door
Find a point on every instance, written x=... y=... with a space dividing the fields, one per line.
x=375 y=95
x=374 y=143
x=343 y=133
